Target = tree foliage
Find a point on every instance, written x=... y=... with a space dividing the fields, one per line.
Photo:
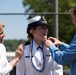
x=11 y=45
x=66 y=28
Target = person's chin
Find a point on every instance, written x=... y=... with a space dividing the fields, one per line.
x=44 y=40
x=3 y=41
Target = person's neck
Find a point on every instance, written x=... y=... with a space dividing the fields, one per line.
x=1 y=41
x=39 y=42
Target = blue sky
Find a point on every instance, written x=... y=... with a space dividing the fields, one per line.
x=15 y=26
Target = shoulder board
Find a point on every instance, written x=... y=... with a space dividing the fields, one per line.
x=27 y=43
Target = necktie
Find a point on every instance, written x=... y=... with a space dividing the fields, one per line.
x=39 y=47
x=40 y=55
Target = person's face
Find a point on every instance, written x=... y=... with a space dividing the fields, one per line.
x=2 y=35
x=74 y=19
x=73 y=15
x=40 y=33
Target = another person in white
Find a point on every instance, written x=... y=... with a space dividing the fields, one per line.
x=36 y=59
x=5 y=66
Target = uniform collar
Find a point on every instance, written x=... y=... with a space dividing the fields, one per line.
x=36 y=45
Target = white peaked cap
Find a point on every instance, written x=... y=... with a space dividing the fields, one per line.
x=36 y=21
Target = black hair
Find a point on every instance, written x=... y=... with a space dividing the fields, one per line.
x=30 y=35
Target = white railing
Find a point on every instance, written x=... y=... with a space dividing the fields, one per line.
x=10 y=55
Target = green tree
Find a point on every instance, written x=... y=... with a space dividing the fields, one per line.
x=11 y=45
x=66 y=28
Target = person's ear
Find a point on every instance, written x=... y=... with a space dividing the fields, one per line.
x=32 y=31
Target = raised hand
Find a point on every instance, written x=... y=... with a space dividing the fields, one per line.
x=48 y=43
x=19 y=51
x=55 y=41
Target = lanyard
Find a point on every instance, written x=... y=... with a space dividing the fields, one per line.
x=31 y=56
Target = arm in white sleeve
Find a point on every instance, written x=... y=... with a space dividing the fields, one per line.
x=5 y=70
x=8 y=67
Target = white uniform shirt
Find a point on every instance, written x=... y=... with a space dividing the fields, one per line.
x=4 y=65
x=25 y=67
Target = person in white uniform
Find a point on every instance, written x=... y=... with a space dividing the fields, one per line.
x=36 y=59
x=5 y=66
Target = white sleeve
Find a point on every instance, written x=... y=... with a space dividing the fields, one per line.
x=5 y=67
x=20 y=67
x=57 y=69
x=5 y=70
